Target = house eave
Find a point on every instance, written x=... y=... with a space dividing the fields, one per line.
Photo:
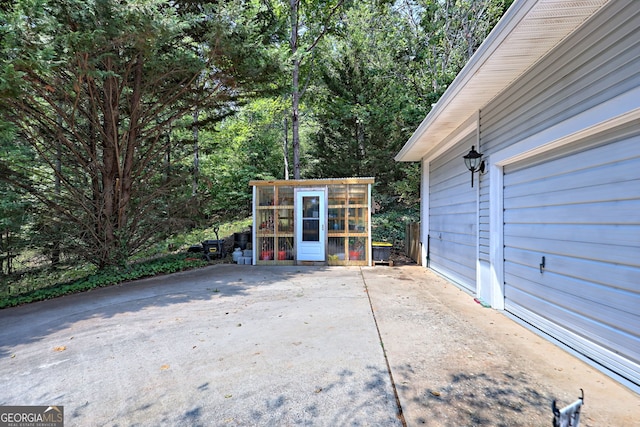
x=524 y=35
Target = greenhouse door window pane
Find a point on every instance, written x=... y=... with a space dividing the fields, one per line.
x=311 y=219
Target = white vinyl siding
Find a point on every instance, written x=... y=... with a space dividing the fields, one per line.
x=452 y=216
x=581 y=211
x=561 y=143
x=598 y=63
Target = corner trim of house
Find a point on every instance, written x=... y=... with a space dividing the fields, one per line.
x=424 y=212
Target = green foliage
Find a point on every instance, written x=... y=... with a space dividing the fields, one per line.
x=16 y=207
x=379 y=78
x=94 y=88
x=166 y=256
x=73 y=184
x=246 y=146
x=14 y=294
x=389 y=224
x=363 y=104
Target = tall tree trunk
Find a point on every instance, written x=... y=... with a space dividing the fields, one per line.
x=196 y=154
x=286 y=149
x=295 y=89
x=55 y=250
x=295 y=122
x=106 y=224
x=126 y=174
x=167 y=154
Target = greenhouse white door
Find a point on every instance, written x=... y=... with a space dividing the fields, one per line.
x=311 y=229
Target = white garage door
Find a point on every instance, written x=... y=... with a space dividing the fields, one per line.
x=572 y=249
x=453 y=217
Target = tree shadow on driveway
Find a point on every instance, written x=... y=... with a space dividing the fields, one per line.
x=342 y=397
x=478 y=399
x=33 y=322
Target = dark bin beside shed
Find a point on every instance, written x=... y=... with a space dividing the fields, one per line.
x=381 y=251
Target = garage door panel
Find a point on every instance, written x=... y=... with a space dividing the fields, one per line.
x=613 y=276
x=542 y=180
x=453 y=209
x=612 y=234
x=613 y=339
x=625 y=278
x=459 y=274
x=623 y=151
x=596 y=302
x=615 y=212
x=453 y=263
x=452 y=255
x=453 y=222
x=576 y=195
x=581 y=211
x=606 y=357
x=610 y=253
x=452 y=241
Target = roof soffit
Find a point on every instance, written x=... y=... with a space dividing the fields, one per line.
x=528 y=31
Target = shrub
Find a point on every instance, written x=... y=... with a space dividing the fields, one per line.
x=106 y=277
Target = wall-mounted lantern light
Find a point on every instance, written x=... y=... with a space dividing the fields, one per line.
x=473 y=161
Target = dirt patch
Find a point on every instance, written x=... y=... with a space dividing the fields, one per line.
x=399 y=258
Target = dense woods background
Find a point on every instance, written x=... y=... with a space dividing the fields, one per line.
x=122 y=122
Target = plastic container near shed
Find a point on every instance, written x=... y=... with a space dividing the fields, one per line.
x=237 y=253
x=381 y=251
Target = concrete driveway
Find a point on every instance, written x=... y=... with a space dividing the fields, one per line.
x=235 y=345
